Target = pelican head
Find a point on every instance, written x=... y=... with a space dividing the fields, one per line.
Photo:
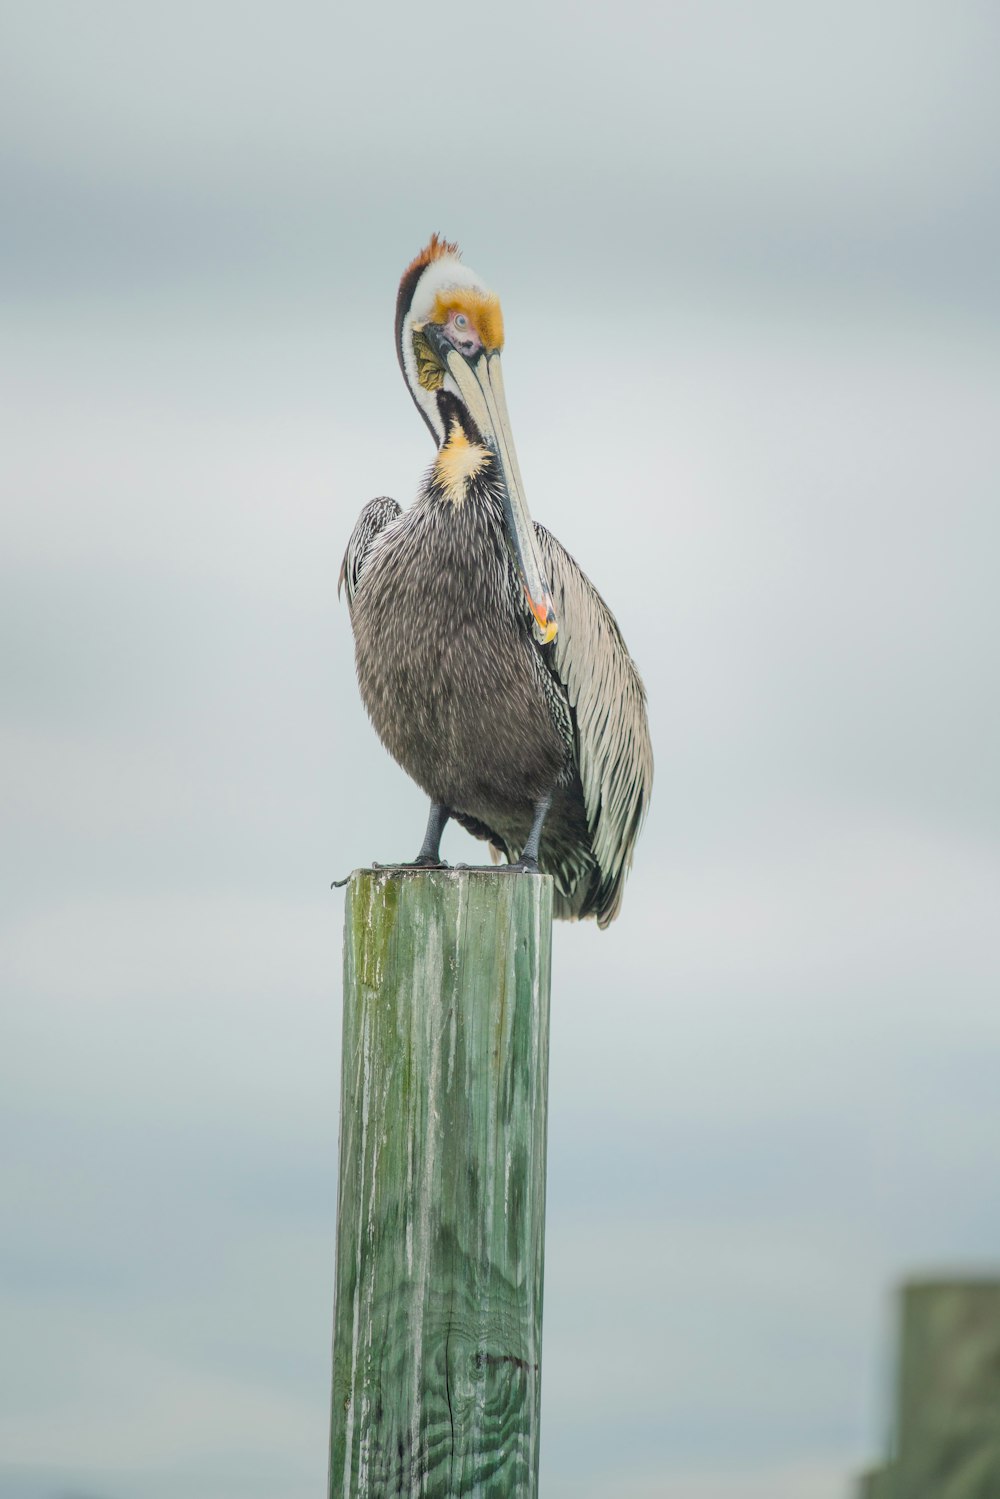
x=449 y=334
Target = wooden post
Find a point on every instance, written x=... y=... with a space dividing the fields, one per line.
x=947 y=1421
x=441 y=1202
x=948 y=1407
x=875 y=1484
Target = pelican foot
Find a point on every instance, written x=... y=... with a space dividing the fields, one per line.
x=426 y=861
x=525 y=865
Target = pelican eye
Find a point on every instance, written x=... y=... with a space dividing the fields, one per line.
x=461 y=321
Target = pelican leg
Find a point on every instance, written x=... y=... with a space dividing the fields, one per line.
x=529 y=853
x=429 y=856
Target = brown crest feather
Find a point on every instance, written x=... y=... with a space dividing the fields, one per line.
x=435 y=249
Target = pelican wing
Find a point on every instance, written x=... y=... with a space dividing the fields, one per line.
x=608 y=701
x=373 y=519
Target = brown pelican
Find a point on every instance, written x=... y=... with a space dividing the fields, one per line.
x=491 y=668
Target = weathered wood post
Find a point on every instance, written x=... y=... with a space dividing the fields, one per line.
x=441 y=1201
x=947 y=1418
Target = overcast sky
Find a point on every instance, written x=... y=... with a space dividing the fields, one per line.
x=747 y=256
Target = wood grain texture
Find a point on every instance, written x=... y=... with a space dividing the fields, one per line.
x=441 y=1203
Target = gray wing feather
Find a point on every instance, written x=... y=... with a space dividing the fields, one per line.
x=606 y=693
x=373 y=519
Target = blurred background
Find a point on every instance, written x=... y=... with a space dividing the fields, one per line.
x=748 y=261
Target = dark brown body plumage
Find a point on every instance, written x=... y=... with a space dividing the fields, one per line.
x=446 y=666
x=456 y=688
x=459 y=692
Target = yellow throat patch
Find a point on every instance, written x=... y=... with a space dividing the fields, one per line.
x=458 y=461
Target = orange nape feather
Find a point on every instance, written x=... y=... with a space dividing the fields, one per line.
x=482 y=309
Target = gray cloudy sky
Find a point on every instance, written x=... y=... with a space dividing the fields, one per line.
x=748 y=262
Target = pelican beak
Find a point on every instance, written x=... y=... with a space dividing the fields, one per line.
x=480 y=381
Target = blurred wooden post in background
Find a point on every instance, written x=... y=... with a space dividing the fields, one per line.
x=947 y=1419
x=441 y=1201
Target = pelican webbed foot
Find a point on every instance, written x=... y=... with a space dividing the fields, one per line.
x=528 y=862
x=429 y=856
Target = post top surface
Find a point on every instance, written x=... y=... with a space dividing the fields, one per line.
x=455 y=872
x=423 y=892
